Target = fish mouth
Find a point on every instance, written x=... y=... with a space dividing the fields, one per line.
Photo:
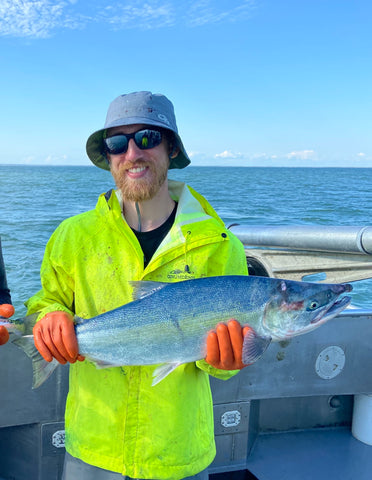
x=332 y=310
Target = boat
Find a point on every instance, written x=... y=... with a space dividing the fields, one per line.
x=303 y=411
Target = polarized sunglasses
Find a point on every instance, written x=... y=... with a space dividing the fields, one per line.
x=144 y=139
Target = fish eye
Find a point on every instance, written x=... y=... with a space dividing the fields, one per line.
x=313 y=305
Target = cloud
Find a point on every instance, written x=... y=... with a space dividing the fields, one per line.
x=47 y=160
x=204 y=12
x=28 y=160
x=195 y=153
x=33 y=19
x=41 y=18
x=227 y=154
x=302 y=155
x=55 y=160
x=136 y=14
x=361 y=154
x=162 y=13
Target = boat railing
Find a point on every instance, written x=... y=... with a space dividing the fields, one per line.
x=332 y=254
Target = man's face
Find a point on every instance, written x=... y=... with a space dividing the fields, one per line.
x=139 y=174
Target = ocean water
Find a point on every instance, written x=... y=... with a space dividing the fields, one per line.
x=36 y=199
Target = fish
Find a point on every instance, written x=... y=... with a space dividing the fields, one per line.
x=167 y=324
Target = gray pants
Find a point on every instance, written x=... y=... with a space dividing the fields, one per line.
x=74 y=468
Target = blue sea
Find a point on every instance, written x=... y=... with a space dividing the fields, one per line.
x=35 y=199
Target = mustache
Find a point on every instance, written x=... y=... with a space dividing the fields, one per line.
x=122 y=168
x=137 y=163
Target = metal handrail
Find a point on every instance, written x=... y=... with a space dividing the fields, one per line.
x=325 y=238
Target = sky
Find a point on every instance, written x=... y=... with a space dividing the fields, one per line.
x=253 y=82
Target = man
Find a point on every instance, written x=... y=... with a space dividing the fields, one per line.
x=6 y=307
x=117 y=424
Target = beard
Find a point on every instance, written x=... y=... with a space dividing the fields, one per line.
x=141 y=189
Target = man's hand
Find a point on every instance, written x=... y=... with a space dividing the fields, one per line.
x=6 y=311
x=55 y=337
x=225 y=345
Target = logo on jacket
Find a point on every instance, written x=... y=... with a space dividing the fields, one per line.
x=178 y=274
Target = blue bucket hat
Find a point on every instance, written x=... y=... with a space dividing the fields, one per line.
x=143 y=108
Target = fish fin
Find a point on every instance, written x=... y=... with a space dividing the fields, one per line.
x=163 y=370
x=144 y=288
x=41 y=368
x=102 y=364
x=254 y=346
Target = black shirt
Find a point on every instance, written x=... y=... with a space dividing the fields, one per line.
x=150 y=241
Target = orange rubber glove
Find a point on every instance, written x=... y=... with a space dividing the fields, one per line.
x=6 y=311
x=55 y=337
x=225 y=345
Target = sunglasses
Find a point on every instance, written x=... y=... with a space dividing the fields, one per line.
x=144 y=139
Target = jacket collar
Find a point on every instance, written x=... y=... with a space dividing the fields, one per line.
x=192 y=207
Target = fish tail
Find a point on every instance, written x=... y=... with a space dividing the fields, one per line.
x=41 y=368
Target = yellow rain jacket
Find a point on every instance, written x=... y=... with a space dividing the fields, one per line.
x=115 y=419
